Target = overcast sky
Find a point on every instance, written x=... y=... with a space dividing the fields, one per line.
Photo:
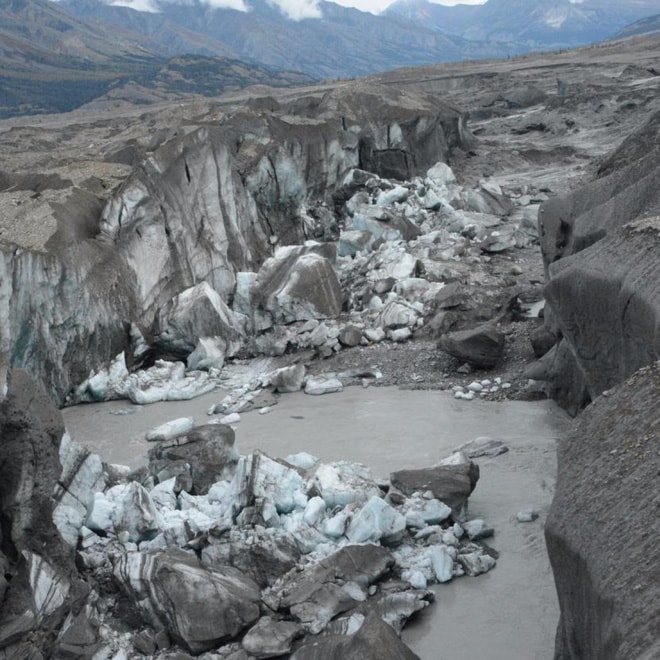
x=295 y=9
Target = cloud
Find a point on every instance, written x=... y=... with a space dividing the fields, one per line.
x=153 y=6
x=297 y=10
x=138 y=5
x=238 y=5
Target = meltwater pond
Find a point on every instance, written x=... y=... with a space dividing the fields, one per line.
x=509 y=613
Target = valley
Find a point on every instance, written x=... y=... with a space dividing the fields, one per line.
x=438 y=251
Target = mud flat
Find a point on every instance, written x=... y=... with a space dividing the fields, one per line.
x=510 y=613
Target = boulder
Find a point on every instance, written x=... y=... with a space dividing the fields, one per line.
x=375 y=640
x=481 y=347
x=350 y=336
x=264 y=561
x=199 y=607
x=270 y=638
x=603 y=523
x=207 y=451
x=451 y=484
x=321 y=592
x=298 y=284
x=198 y=312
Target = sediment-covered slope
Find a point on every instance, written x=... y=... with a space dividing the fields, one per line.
x=210 y=202
x=600 y=246
x=603 y=525
x=603 y=292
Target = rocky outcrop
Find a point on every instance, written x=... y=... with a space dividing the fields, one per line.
x=207 y=204
x=39 y=583
x=599 y=246
x=602 y=527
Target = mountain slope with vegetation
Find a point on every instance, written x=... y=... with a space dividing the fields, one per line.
x=51 y=61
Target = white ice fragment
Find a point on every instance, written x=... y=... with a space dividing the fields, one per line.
x=527 y=515
x=476 y=563
x=341 y=483
x=336 y=526
x=414 y=520
x=232 y=418
x=456 y=458
x=434 y=512
x=314 y=511
x=323 y=385
x=375 y=521
x=416 y=578
x=171 y=429
x=163 y=495
x=477 y=529
x=302 y=460
x=441 y=174
x=443 y=564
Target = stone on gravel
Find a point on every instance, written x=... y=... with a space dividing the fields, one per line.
x=350 y=336
x=481 y=347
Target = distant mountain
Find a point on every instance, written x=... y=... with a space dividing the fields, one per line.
x=341 y=42
x=531 y=24
x=645 y=26
x=51 y=61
